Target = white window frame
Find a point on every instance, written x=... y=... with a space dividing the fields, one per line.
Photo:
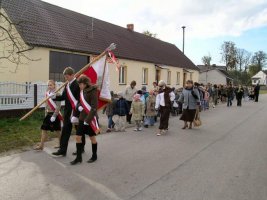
x=169 y=77
x=178 y=78
x=145 y=76
x=123 y=75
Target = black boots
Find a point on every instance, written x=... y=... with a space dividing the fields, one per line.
x=78 y=158
x=94 y=156
x=83 y=143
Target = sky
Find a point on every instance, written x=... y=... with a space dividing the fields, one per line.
x=208 y=22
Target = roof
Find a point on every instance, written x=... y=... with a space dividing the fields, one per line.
x=259 y=75
x=222 y=71
x=47 y=25
x=206 y=67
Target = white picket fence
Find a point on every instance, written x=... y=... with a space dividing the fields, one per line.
x=21 y=96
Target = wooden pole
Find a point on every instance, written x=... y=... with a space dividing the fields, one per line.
x=111 y=47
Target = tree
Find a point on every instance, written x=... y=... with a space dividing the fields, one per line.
x=259 y=58
x=242 y=59
x=228 y=52
x=253 y=69
x=12 y=47
x=206 y=60
x=148 y=33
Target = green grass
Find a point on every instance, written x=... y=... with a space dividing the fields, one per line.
x=15 y=134
x=263 y=91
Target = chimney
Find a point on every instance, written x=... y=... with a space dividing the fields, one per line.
x=130 y=27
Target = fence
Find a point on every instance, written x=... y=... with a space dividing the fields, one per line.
x=15 y=96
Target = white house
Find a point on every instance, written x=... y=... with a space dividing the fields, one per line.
x=259 y=78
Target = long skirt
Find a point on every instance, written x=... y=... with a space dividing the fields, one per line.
x=188 y=115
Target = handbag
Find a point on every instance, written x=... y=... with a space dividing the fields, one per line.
x=197 y=122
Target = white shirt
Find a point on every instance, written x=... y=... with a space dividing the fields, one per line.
x=160 y=101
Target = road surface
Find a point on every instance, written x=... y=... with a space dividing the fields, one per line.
x=225 y=159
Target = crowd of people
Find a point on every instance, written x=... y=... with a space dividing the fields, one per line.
x=144 y=107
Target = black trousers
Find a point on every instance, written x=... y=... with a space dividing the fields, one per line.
x=239 y=102
x=129 y=117
x=65 y=134
x=164 y=117
x=256 y=97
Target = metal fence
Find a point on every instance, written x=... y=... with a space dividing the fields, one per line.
x=22 y=96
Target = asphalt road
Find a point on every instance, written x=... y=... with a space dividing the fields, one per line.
x=225 y=159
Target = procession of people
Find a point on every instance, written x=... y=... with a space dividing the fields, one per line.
x=140 y=107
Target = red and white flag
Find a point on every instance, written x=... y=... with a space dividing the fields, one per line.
x=99 y=75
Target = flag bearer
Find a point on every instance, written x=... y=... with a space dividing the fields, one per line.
x=70 y=95
x=87 y=120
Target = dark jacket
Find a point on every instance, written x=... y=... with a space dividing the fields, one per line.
x=122 y=107
x=110 y=108
x=90 y=96
x=239 y=93
x=75 y=89
x=257 y=90
x=230 y=92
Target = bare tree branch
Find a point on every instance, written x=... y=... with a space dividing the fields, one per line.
x=14 y=48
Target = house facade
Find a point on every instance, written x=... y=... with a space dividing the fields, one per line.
x=214 y=75
x=56 y=38
x=259 y=78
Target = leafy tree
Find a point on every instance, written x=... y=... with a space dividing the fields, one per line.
x=206 y=60
x=148 y=33
x=228 y=52
x=259 y=58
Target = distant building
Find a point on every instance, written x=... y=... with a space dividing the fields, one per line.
x=214 y=74
x=58 y=38
x=259 y=78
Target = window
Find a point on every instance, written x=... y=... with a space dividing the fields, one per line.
x=169 y=78
x=191 y=76
x=58 y=61
x=178 y=78
x=123 y=74
x=145 y=76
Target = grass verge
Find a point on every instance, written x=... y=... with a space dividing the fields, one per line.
x=263 y=91
x=15 y=134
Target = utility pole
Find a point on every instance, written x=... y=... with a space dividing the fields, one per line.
x=183 y=27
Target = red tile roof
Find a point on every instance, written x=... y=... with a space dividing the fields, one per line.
x=47 y=25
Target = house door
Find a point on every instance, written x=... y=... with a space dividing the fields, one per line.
x=157 y=75
x=184 y=79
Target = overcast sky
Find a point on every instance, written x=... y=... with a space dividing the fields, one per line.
x=208 y=22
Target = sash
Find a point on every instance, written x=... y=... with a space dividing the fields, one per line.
x=87 y=108
x=53 y=107
x=71 y=98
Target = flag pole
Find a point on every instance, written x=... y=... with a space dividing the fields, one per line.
x=110 y=48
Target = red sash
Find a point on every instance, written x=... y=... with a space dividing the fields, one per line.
x=87 y=108
x=53 y=106
x=71 y=98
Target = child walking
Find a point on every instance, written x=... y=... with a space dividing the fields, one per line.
x=53 y=117
x=150 y=110
x=121 y=109
x=137 y=111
